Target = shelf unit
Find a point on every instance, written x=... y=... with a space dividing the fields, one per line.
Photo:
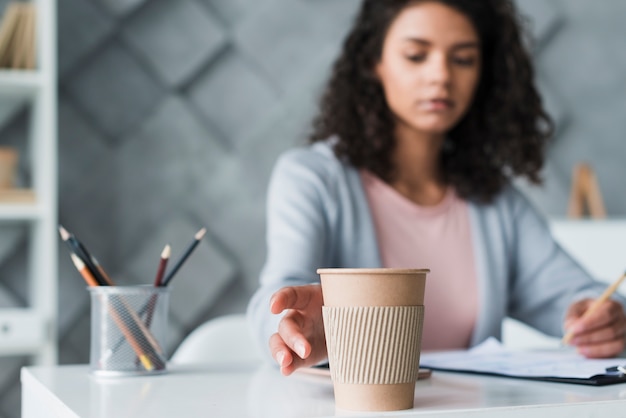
x=32 y=330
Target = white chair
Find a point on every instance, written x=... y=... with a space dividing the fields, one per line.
x=598 y=244
x=221 y=340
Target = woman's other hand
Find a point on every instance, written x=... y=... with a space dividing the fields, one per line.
x=300 y=340
x=602 y=334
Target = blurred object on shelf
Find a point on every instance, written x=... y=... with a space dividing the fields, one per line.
x=8 y=167
x=23 y=196
x=585 y=196
x=17 y=36
x=9 y=159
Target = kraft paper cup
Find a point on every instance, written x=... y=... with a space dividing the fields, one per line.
x=373 y=326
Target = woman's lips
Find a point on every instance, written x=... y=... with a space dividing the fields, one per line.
x=436 y=105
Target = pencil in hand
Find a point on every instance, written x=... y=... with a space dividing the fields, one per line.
x=184 y=257
x=596 y=304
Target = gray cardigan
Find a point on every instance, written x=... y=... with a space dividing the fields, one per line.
x=318 y=216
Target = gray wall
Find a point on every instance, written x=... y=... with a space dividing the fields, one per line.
x=172 y=113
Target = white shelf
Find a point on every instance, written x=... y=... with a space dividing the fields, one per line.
x=31 y=331
x=20 y=212
x=21 y=331
x=20 y=83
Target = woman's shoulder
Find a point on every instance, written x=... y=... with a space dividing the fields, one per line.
x=316 y=158
x=311 y=172
x=510 y=194
x=510 y=199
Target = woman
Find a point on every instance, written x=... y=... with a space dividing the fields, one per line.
x=429 y=114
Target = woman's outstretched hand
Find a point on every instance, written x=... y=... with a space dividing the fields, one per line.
x=601 y=334
x=300 y=340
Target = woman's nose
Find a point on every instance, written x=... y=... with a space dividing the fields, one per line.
x=438 y=70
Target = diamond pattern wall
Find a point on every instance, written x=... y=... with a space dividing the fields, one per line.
x=176 y=38
x=87 y=19
x=583 y=77
x=233 y=108
x=172 y=114
x=115 y=90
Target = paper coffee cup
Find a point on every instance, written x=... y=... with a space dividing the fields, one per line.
x=373 y=325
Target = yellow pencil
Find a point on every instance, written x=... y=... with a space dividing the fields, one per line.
x=596 y=304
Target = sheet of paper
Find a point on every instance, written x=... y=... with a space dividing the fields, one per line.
x=492 y=357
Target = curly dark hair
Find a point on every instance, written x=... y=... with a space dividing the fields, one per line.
x=502 y=135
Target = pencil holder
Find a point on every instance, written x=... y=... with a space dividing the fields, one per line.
x=128 y=330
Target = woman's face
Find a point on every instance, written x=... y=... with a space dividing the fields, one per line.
x=430 y=66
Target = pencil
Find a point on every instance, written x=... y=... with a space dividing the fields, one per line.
x=91 y=260
x=101 y=270
x=82 y=269
x=165 y=256
x=91 y=281
x=76 y=247
x=150 y=305
x=596 y=304
x=184 y=257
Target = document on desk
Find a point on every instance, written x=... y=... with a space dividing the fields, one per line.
x=492 y=358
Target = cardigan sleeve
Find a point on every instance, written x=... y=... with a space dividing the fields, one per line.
x=544 y=279
x=298 y=241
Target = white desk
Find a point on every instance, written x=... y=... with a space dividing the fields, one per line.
x=221 y=391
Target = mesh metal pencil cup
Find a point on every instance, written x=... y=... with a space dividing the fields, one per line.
x=128 y=330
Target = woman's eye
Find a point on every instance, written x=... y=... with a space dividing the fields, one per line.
x=464 y=61
x=416 y=57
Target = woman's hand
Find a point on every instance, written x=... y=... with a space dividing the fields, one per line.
x=300 y=340
x=602 y=334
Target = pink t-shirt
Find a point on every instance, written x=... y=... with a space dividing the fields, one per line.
x=434 y=237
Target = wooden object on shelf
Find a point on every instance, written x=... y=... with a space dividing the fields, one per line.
x=7 y=31
x=17 y=50
x=17 y=196
x=29 y=38
x=585 y=195
x=8 y=167
x=17 y=36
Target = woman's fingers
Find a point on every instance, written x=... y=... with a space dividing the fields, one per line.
x=290 y=329
x=578 y=322
x=609 y=332
x=600 y=334
x=602 y=350
x=284 y=355
x=294 y=297
x=280 y=351
x=575 y=311
x=300 y=338
x=285 y=358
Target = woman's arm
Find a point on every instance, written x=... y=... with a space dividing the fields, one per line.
x=298 y=208
x=550 y=290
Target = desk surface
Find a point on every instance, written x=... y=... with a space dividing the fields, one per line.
x=253 y=391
